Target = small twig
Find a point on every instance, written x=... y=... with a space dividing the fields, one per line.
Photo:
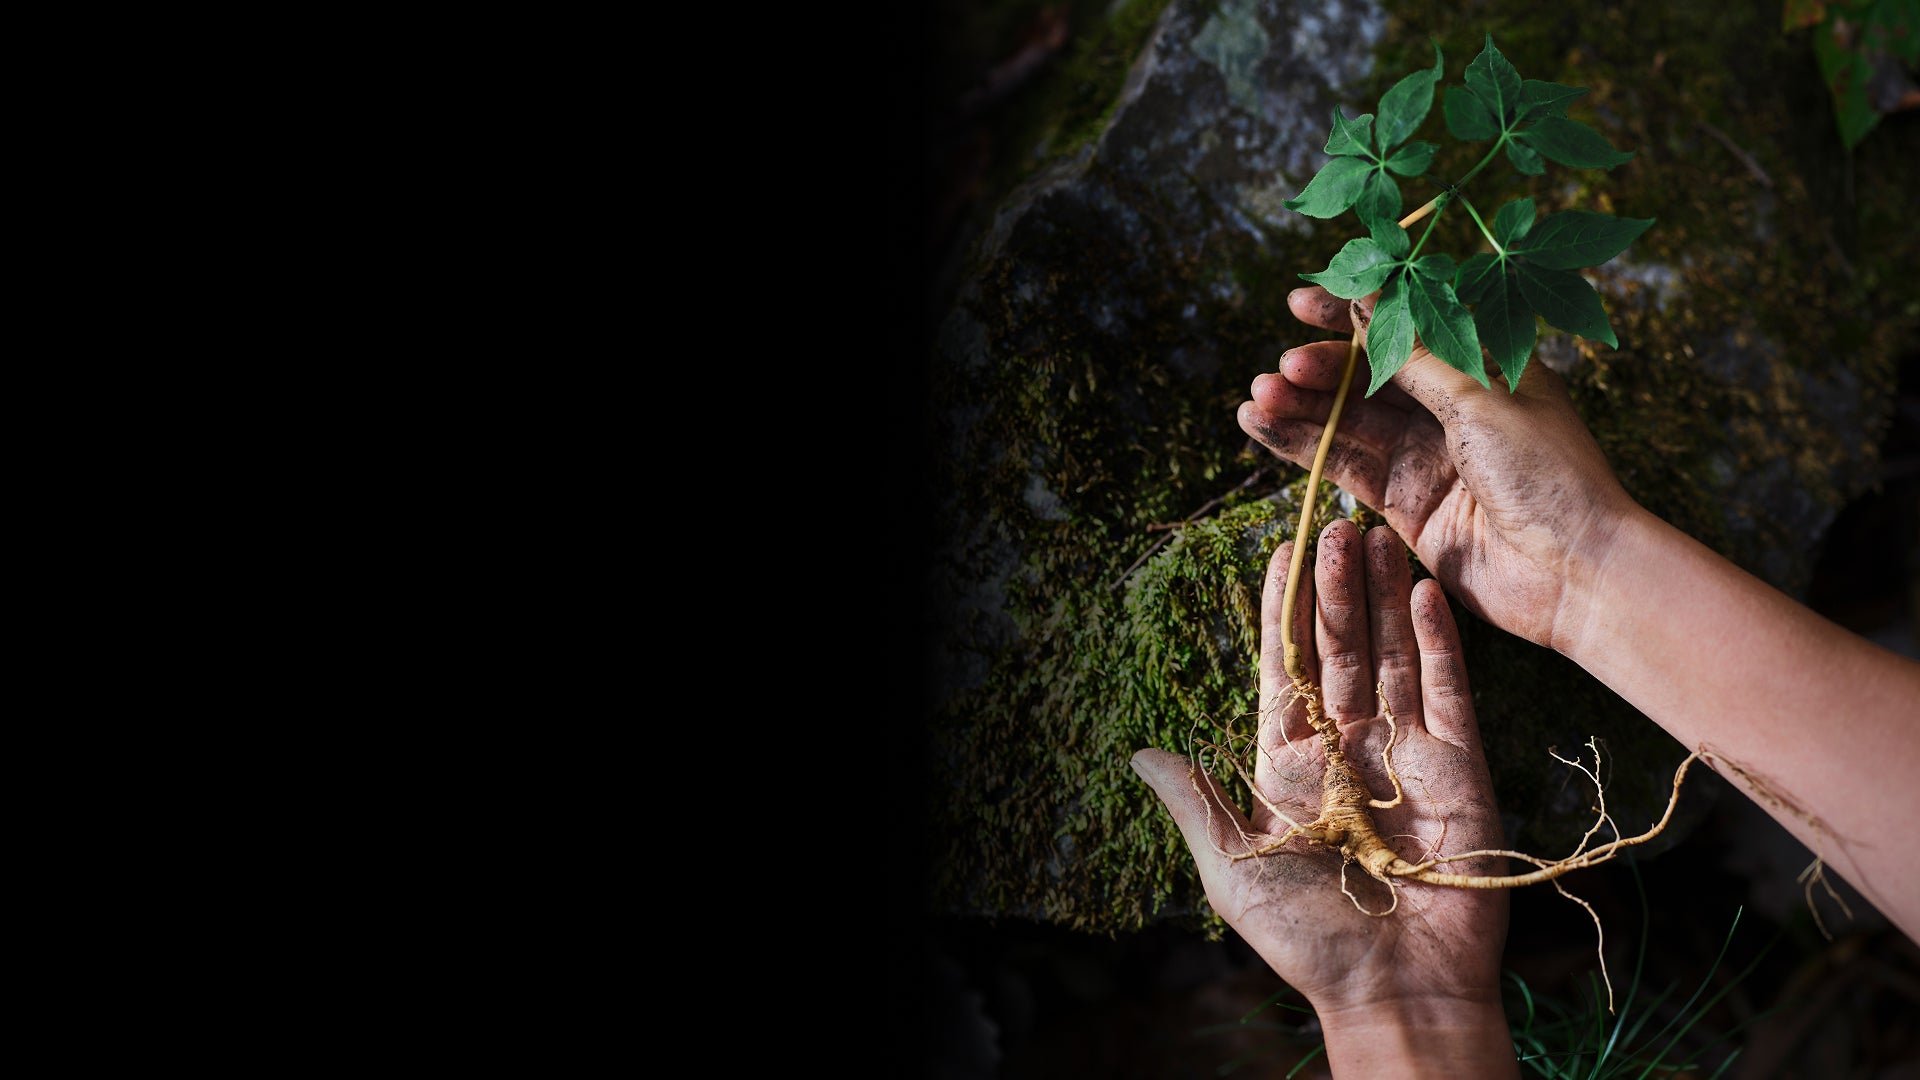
x=1733 y=148
x=1173 y=528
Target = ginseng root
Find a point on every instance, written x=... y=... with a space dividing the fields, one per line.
x=1345 y=823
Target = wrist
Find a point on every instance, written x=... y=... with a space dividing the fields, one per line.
x=1420 y=1037
x=1609 y=542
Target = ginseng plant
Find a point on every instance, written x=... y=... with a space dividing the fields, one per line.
x=1529 y=271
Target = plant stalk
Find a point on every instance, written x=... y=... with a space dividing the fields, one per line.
x=1296 y=669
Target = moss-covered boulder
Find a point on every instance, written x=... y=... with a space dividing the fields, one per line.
x=1103 y=522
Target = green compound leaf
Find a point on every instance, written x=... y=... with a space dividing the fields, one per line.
x=1538 y=99
x=1444 y=325
x=1571 y=142
x=1502 y=316
x=1572 y=239
x=1404 y=108
x=1351 y=137
x=1494 y=81
x=1359 y=268
x=1529 y=274
x=1567 y=301
x=1513 y=221
x=1390 y=334
x=1389 y=235
x=1332 y=189
x=1477 y=276
x=1468 y=117
x=1412 y=159
x=1380 y=198
x=1524 y=157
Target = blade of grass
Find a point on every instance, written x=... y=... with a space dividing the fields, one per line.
x=1684 y=1009
x=1314 y=1053
x=1639 y=964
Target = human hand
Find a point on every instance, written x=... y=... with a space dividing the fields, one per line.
x=1506 y=498
x=1424 y=978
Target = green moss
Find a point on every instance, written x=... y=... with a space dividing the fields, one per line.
x=1075 y=97
x=1169 y=656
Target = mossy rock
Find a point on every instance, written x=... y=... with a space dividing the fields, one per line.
x=1104 y=524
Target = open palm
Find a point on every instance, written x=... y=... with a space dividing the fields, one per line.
x=1369 y=633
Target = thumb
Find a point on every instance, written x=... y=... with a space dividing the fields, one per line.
x=1361 y=312
x=1429 y=380
x=1435 y=383
x=1206 y=819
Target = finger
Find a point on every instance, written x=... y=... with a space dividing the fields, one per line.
x=1355 y=462
x=1316 y=366
x=1445 y=696
x=1315 y=306
x=1435 y=384
x=1396 y=653
x=1346 y=653
x=1283 y=717
x=1541 y=382
x=1282 y=396
x=1210 y=823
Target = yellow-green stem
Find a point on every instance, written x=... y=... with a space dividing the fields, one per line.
x=1296 y=669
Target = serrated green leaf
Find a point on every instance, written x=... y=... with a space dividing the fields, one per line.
x=1566 y=300
x=1437 y=266
x=1358 y=269
x=1444 y=326
x=1379 y=198
x=1572 y=239
x=1507 y=326
x=1332 y=189
x=1494 y=80
x=1390 y=334
x=1352 y=137
x=1538 y=99
x=1468 y=117
x=1412 y=159
x=1524 y=157
x=1404 y=108
x=1389 y=235
x=1513 y=221
x=1572 y=143
x=1478 y=274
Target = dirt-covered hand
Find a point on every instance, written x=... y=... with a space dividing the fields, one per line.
x=1300 y=908
x=1506 y=497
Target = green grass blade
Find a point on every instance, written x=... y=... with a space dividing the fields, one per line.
x=1639 y=965
x=1311 y=1054
x=1526 y=995
x=1684 y=1009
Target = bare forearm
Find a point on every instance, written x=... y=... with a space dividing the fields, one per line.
x=1817 y=724
x=1420 y=1039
